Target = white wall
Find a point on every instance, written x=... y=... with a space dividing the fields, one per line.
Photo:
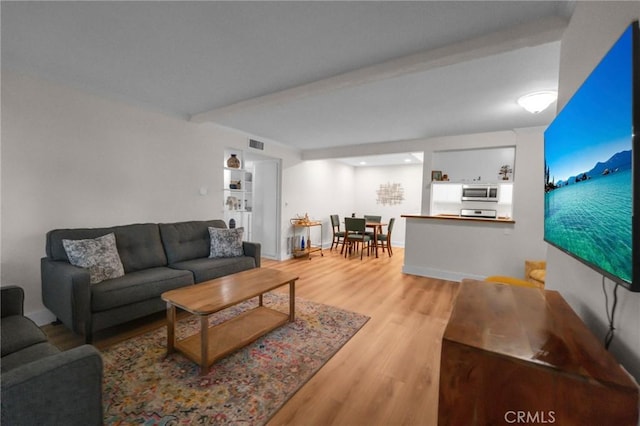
x=70 y=159
x=321 y=188
x=368 y=181
x=454 y=249
x=593 y=29
x=318 y=188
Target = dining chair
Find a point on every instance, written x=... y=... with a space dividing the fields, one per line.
x=370 y=218
x=347 y=245
x=338 y=235
x=355 y=235
x=385 y=239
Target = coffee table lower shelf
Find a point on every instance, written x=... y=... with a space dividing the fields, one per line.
x=225 y=338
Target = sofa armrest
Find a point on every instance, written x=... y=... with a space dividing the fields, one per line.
x=12 y=298
x=66 y=292
x=252 y=250
x=65 y=388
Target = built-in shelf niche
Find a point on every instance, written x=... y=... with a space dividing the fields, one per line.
x=446 y=199
x=469 y=166
x=474 y=165
x=238 y=192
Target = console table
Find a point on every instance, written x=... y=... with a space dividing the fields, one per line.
x=521 y=355
x=305 y=227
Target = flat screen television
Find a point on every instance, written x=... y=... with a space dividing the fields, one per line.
x=592 y=168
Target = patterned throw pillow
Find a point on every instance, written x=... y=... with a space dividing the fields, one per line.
x=226 y=242
x=99 y=255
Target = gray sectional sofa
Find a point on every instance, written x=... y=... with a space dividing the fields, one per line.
x=156 y=258
x=40 y=384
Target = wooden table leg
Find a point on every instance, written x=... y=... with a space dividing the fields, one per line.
x=375 y=239
x=292 y=301
x=204 y=342
x=171 y=328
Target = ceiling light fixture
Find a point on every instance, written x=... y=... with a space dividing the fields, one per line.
x=537 y=101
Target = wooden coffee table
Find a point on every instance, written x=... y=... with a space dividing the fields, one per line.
x=209 y=297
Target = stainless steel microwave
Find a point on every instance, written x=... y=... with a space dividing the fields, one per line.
x=480 y=192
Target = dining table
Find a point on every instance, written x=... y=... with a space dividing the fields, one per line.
x=377 y=229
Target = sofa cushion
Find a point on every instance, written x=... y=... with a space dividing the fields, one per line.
x=187 y=240
x=136 y=287
x=18 y=332
x=55 y=248
x=98 y=255
x=27 y=355
x=139 y=245
x=226 y=242
x=209 y=269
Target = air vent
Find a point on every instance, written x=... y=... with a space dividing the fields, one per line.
x=256 y=144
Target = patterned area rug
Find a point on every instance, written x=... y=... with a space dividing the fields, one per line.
x=143 y=386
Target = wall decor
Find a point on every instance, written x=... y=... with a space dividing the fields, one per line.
x=390 y=193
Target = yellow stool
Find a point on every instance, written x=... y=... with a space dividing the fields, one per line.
x=501 y=279
x=535 y=271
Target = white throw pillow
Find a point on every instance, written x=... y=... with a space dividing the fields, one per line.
x=226 y=242
x=99 y=255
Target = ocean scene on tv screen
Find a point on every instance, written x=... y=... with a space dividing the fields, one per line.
x=588 y=161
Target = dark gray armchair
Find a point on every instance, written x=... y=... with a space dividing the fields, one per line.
x=40 y=384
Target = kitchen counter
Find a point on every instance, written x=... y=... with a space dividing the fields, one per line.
x=462 y=218
x=451 y=247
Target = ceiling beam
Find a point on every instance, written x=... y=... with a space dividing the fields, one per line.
x=527 y=35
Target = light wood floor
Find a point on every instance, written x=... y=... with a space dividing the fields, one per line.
x=387 y=373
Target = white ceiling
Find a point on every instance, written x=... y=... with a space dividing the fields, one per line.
x=307 y=74
x=395 y=159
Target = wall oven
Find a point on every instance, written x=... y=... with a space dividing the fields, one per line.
x=480 y=192
x=478 y=213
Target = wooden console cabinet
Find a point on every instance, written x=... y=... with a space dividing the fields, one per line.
x=514 y=355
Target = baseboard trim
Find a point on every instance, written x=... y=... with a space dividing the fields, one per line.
x=438 y=273
x=42 y=317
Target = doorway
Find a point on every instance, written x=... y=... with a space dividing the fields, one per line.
x=265 y=223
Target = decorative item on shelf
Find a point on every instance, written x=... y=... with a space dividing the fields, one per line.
x=233 y=162
x=303 y=220
x=436 y=175
x=232 y=223
x=445 y=177
x=505 y=171
x=235 y=184
x=233 y=203
x=302 y=243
